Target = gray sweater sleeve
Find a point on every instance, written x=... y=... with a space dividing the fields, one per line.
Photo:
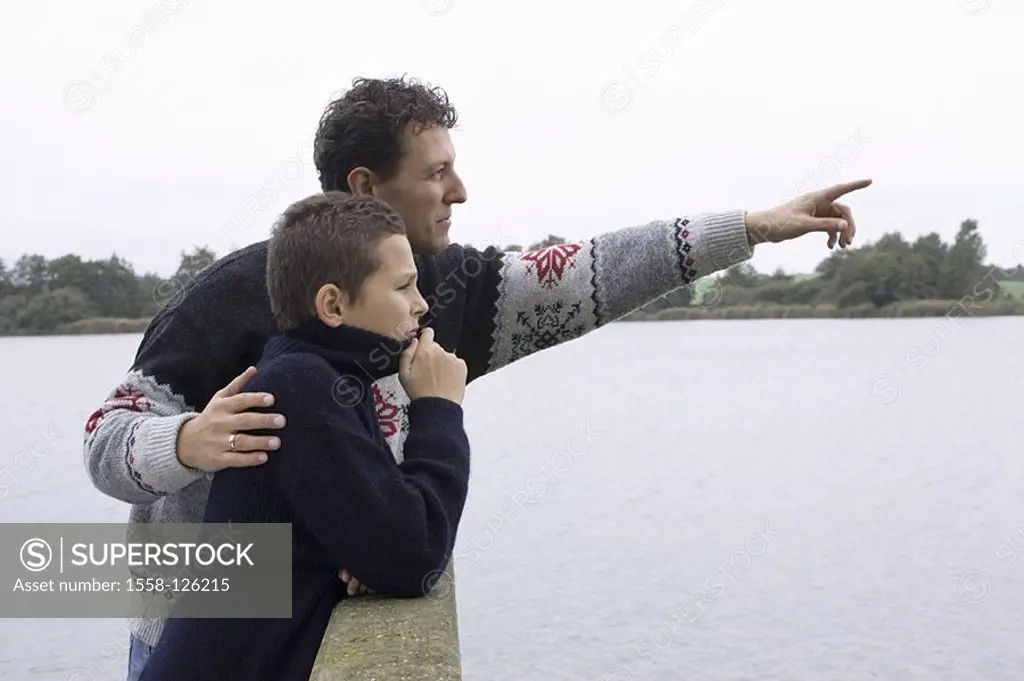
x=556 y=294
x=131 y=441
x=204 y=337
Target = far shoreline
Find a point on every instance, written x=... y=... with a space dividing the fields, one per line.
x=918 y=309
x=915 y=309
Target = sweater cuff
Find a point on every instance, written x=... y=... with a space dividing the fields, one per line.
x=156 y=454
x=436 y=412
x=724 y=240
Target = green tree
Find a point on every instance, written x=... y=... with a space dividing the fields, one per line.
x=193 y=263
x=117 y=288
x=892 y=242
x=829 y=267
x=169 y=292
x=48 y=310
x=70 y=271
x=147 y=294
x=30 y=274
x=11 y=305
x=963 y=267
x=867 y=276
x=929 y=255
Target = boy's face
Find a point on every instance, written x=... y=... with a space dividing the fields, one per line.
x=389 y=304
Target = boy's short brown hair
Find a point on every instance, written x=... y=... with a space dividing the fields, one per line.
x=328 y=238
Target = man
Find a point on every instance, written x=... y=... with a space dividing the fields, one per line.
x=178 y=417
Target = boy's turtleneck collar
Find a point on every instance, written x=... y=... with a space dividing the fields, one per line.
x=351 y=350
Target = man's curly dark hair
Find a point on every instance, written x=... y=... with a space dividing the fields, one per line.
x=364 y=127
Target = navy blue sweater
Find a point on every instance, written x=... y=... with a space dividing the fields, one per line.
x=350 y=504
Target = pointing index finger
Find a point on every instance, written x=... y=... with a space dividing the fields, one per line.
x=835 y=191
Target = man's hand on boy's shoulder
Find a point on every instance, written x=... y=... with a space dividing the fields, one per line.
x=355 y=587
x=214 y=440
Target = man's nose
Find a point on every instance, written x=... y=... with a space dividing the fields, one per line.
x=457 y=194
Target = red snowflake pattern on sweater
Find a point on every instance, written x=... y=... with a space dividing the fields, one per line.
x=552 y=262
x=125 y=397
x=391 y=406
x=389 y=413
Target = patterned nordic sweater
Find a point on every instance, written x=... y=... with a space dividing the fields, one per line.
x=490 y=307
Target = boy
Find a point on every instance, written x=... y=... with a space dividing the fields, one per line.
x=342 y=286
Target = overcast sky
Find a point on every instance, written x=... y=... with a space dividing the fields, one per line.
x=576 y=117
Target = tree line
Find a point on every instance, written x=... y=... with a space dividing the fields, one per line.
x=888 y=273
x=41 y=296
x=69 y=294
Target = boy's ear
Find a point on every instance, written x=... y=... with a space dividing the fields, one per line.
x=361 y=182
x=331 y=305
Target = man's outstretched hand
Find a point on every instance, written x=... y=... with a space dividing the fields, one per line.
x=817 y=211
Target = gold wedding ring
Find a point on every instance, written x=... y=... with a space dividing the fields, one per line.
x=231 y=441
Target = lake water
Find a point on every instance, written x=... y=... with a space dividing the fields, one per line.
x=778 y=499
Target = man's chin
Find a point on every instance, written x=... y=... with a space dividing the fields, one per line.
x=438 y=245
x=442 y=237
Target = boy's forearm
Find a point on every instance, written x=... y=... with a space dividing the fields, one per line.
x=131 y=443
x=437 y=458
x=391 y=536
x=389 y=525
x=399 y=560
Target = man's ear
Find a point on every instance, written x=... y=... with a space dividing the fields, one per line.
x=362 y=182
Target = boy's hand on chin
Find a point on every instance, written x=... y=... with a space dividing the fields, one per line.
x=426 y=369
x=355 y=588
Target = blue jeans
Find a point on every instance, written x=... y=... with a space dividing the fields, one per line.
x=138 y=655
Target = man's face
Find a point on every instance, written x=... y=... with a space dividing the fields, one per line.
x=424 y=188
x=389 y=303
